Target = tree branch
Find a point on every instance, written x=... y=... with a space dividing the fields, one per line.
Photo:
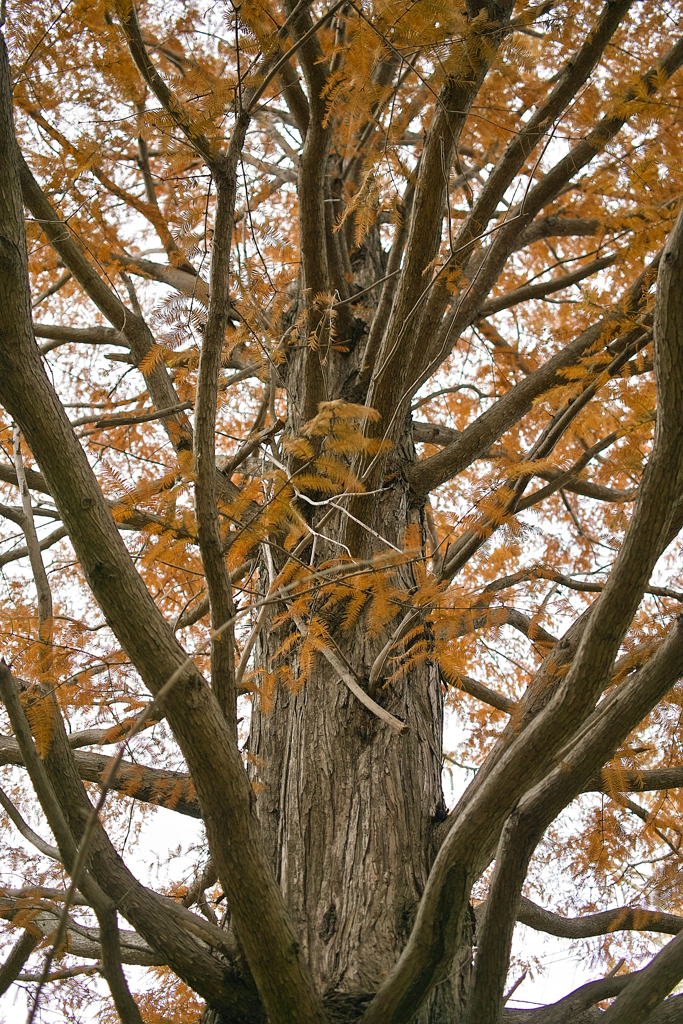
x=506 y=237
x=179 y=113
x=589 y=925
x=126 y=1007
x=58 y=335
x=174 y=931
x=397 y=359
x=52 y=538
x=173 y=790
x=520 y=147
x=181 y=280
x=525 y=293
x=125 y=322
x=82 y=941
x=18 y=955
x=258 y=911
x=648 y=989
x=616 y=780
x=481 y=692
x=477 y=438
x=209 y=534
x=26 y=831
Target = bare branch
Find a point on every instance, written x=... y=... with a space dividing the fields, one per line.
x=614 y=780
x=150 y=785
x=125 y=322
x=77 y=336
x=26 y=831
x=29 y=528
x=18 y=956
x=283 y=61
x=618 y=919
x=527 y=292
x=67 y=972
x=52 y=289
x=342 y=670
x=83 y=941
x=125 y=420
x=181 y=116
x=396 y=360
x=52 y=538
x=481 y=692
x=126 y=1007
x=181 y=280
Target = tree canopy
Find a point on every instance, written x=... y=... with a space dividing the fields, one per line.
x=341 y=389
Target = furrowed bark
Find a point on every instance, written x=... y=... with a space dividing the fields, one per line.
x=345 y=881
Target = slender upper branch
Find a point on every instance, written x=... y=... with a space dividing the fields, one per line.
x=396 y=356
x=170 y=102
x=126 y=323
x=477 y=438
x=506 y=236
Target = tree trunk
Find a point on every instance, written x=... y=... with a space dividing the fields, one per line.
x=348 y=806
x=347 y=811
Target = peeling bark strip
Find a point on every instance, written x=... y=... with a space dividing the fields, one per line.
x=360 y=210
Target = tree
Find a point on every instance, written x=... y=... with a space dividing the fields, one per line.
x=372 y=435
